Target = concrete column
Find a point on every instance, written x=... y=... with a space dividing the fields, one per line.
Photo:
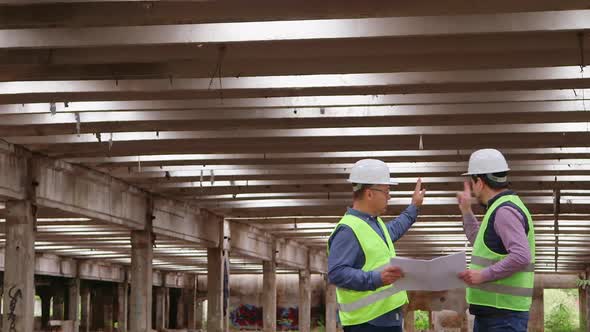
x=200 y=312
x=74 y=303
x=537 y=315
x=45 y=308
x=464 y=321
x=85 y=309
x=140 y=319
x=160 y=308
x=167 y=307
x=58 y=303
x=226 y=279
x=190 y=300
x=122 y=306
x=409 y=320
x=180 y=310
x=304 y=301
x=19 y=262
x=331 y=307
x=109 y=309
x=97 y=308
x=269 y=295
x=215 y=290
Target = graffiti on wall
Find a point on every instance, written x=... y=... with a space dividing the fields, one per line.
x=287 y=319
x=246 y=316
x=249 y=317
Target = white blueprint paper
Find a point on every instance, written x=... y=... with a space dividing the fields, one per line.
x=431 y=275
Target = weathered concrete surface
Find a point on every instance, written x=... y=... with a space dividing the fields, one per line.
x=269 y=295
x=19 y=284
x=140 y=309
x=13 y=175
x=80 y=191
x=537 y=312
x=215 y=259
x=304 y=301
x=331 y=307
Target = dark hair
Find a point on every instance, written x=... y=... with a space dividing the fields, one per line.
x=489 y=180
x=358 y=190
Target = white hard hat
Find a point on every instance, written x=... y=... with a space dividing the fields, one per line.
x=486 y=161
x=370 y=171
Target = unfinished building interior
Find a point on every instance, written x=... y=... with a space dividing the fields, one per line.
x=180 y=165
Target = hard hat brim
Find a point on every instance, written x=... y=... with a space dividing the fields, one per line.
x=471 y=173
x=391 y=182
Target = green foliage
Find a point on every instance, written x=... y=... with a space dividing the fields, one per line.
x=560 y=320
x=422 y=320
x=583 y=283
x=321 y=325
x=561 y=310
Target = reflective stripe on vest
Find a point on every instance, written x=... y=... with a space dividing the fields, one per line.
x=489 y=262
x=375 y=297
x=505 y=289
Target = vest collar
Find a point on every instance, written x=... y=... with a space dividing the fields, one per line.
x=497 y=197
x=361 y=215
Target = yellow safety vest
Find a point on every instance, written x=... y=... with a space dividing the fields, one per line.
x=512 y=293
x=357 y=307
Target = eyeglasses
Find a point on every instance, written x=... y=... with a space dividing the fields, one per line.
x=386 y=192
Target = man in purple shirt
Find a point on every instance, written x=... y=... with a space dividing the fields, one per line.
x=506 y=235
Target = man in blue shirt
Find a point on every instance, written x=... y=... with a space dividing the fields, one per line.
x=371 y=186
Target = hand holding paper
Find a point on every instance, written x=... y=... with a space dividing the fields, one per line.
x=472 y=277
x=391 y=274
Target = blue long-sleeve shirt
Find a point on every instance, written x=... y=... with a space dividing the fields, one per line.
x=346 y=258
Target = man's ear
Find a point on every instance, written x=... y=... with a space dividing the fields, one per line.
x=479 y=183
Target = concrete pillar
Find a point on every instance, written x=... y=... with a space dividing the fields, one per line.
x=85 y=317
x=140 y=319
x=331 y=307
x=227 y=276
x=45 y=308
x=215 y=290
x=122 y=306
x=109 y=309
x=190 y=300
x=160 y=307
x=304 y=300
x=180 y=310
x=167 y=307
x=74 y=303
x=464 y=321
x=409 y=320
x=19 y=262
x=537 y=315
x=200 y=312
x=58 y=303
x=97 y=308
x=269 y=295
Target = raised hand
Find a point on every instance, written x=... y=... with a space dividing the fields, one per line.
x=464 y=199
x=418 y=196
